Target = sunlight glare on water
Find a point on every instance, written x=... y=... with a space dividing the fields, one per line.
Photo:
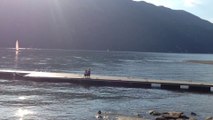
x=22 y=98
x=21 y=113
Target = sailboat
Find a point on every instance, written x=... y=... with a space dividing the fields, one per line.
x=17 y=45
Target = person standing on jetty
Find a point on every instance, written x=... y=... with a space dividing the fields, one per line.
x=87 y=73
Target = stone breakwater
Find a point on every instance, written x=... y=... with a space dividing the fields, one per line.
x=153 y=115
x=112 y=81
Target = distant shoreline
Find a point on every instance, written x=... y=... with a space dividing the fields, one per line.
x=200 y=61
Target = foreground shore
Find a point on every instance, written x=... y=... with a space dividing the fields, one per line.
x=152 y=115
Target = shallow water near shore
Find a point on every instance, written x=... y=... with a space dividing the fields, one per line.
x=33 y=100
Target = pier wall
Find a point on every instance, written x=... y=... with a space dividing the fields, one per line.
x=114 y=82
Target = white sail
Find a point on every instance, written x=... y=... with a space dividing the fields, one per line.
x=17 y=45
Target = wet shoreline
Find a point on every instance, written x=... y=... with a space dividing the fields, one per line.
x=200 y=61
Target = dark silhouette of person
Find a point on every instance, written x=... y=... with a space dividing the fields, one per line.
x=89 y=72
x=85 y=73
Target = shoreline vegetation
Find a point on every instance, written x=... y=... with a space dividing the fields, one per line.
x=152 y=115
x=201 y=61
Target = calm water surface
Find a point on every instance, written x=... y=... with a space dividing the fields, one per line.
x=22 y=100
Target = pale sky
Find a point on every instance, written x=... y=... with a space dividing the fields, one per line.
x=201 y=8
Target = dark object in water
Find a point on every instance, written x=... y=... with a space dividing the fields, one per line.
x=194 y=114
x=99 y=116
x=99 y=112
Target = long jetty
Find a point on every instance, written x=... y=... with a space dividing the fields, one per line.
x=96 y=80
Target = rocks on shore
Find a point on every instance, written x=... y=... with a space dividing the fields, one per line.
x=156 y=116
x=209 y=118
x=154 y=113
x=171 y=115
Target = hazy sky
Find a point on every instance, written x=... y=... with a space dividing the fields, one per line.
x=201 y=8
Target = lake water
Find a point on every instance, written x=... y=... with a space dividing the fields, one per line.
x=24 y=100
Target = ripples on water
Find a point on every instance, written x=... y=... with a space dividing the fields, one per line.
x=164 y=66
x=31 y=100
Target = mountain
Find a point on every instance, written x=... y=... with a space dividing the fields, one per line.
x=122 y=25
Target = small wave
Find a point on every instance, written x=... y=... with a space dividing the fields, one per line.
x=41 y=63
x=131 y=60
x=80 y=58
x=163 y=61
x=98 y=64
x=28 y=59
x=77 y=57
x=48 y=58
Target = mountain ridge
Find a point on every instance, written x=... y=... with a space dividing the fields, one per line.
x=121 y=25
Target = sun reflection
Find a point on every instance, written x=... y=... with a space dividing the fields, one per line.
x=22 y=112
x=22 y=98
x=16 y=59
